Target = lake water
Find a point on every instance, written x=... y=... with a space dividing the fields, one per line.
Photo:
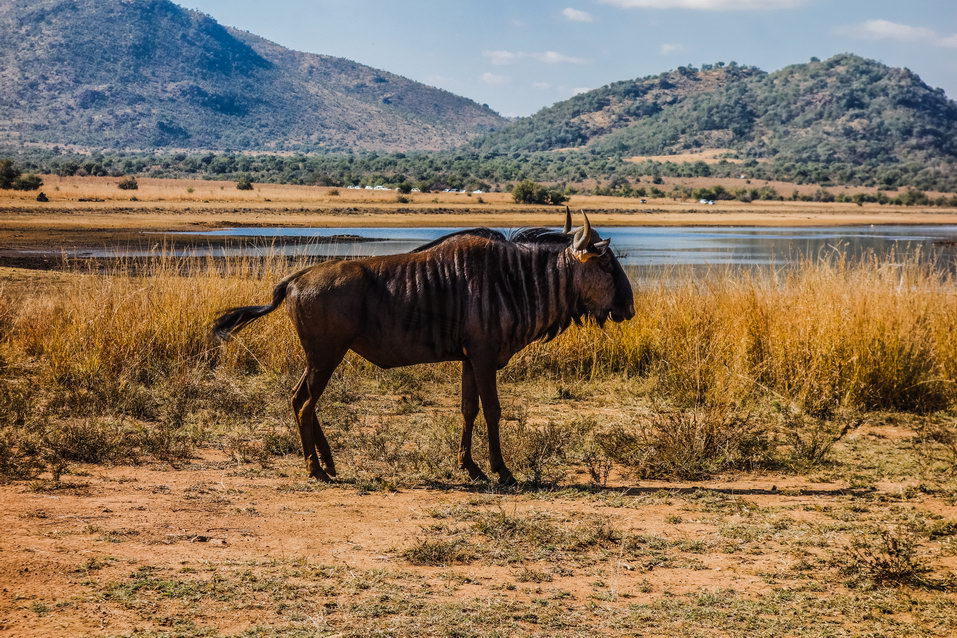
x=637 y=246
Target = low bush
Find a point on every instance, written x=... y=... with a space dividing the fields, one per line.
x=528 y=192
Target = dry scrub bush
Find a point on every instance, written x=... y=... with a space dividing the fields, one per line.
x=938 y=440
x=691 y=444
x=538 y=454
x=809 y=440
x=890 y=557
x=438 y=552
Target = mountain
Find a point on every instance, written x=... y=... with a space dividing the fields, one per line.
x=846 y=109
x=145 y=74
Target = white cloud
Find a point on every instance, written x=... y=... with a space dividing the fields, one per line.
x=494 y=79
x=707 y=5
x=541 y=85
x=574 y=15
x=554 y=57
x=502 y=57
x=887 y=30
x=669 y=48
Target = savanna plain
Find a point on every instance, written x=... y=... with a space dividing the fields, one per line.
x=759 y=452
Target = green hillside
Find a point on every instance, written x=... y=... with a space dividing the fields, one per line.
x=846 y=109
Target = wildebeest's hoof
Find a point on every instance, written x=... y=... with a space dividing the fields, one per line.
x=475 y=472
x=316 y=472
x=505 y=478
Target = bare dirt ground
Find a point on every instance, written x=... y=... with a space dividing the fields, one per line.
x=218 y=546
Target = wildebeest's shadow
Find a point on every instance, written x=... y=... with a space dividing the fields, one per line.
x=481 y=487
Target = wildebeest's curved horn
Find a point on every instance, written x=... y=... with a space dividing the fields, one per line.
x=568 y=221
x=583 y=236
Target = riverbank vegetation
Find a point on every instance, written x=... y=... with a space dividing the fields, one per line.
x=572 y=171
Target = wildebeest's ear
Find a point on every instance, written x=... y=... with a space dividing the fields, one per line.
x=601 y=246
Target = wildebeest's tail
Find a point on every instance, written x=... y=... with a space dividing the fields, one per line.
x=235 y=319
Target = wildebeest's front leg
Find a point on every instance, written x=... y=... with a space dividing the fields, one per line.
x=470 y=408
x=484 y=369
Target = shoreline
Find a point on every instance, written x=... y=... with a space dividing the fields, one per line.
x=37 y=236
x=22 y=219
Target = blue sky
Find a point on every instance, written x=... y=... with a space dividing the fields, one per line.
x=519 y=56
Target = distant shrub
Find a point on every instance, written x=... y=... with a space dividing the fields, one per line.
x=128 y=184
x=42 y=197
x=27 y=183
x=402 y=199
x=528 y=192
x=405 y=188
x=334 y=192
x=244 y=184
x=12 y=177
x=8 y=174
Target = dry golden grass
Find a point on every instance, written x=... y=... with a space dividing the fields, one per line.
x=820 y=336
x=219 y=191
x=825 y=335
x=182 y=193
x=708 y=156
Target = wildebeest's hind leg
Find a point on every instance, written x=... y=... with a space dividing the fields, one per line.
x=484 y=369
x=304 y=401
x=299 y=397
x=470 y=408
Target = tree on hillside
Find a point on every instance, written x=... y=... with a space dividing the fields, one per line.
x=8 y=173
x=12 y=177
x=528 y=192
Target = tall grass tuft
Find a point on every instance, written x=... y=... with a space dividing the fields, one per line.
x=825 y=334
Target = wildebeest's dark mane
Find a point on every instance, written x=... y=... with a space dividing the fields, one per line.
x=519 y=236
x=540 y=236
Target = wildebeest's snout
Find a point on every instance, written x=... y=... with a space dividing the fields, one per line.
x=622 y=314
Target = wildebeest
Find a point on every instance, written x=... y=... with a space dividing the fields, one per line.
x=473 y=296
